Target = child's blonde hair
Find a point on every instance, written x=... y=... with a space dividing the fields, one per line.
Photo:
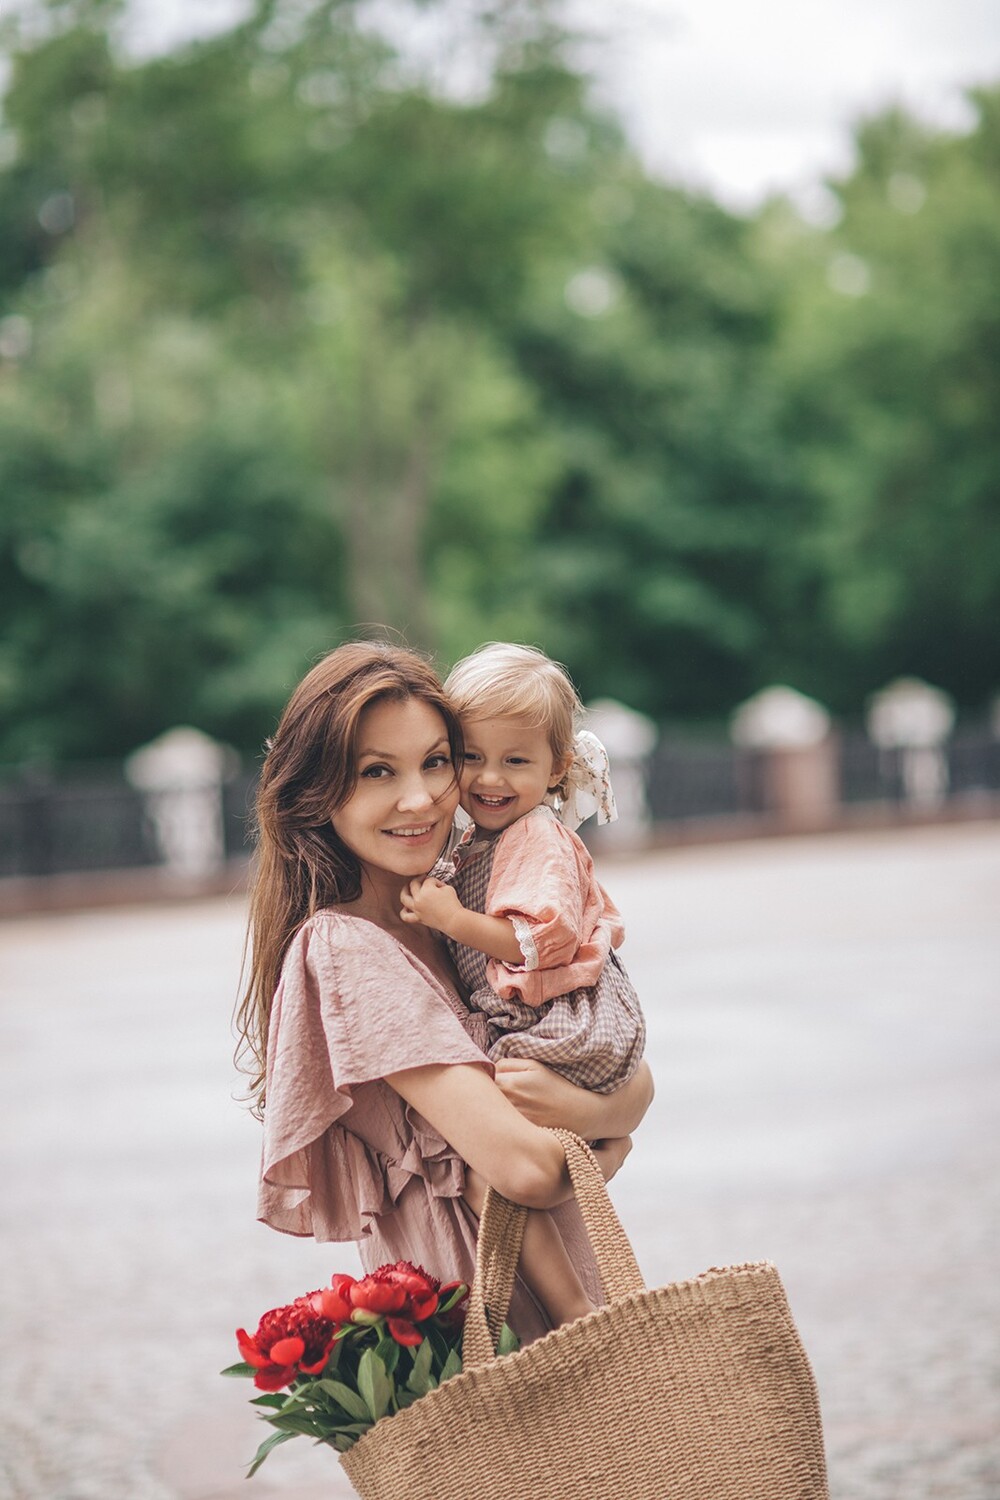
x=505 y=681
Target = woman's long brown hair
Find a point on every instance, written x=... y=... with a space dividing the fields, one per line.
x=309 y=772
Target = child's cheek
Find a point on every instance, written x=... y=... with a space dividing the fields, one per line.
x=466 y=801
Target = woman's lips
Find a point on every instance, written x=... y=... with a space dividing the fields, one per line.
x=419 y=834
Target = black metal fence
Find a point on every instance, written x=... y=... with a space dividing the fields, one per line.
x=76 y=819
x=83 y=818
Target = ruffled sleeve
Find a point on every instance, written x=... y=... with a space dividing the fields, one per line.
x=543 y=881
x=339 y=1146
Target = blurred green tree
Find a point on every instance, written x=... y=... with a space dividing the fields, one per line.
x=261 y=333
x=293 y=342
x=890 y=365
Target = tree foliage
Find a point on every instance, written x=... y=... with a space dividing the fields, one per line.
x=293 y=343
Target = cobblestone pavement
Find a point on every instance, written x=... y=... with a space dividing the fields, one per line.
x=825 y=1034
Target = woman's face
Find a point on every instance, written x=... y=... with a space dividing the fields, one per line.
x=399 y=814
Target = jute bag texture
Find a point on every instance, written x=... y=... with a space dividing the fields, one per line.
x=696 y=1391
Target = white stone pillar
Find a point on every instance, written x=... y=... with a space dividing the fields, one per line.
x=181 y=776
x=915 y=719
x=793 y=735
x=629 y=738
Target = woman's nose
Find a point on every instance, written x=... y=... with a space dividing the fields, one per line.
x=415 y=795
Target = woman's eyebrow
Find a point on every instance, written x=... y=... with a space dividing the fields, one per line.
x=391 y=755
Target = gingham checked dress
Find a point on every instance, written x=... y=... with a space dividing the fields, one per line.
x=570 y=1005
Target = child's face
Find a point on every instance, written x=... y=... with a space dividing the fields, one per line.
x=509 y=766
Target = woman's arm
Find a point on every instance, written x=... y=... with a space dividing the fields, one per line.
x=522 y=1161
x=546 y=1098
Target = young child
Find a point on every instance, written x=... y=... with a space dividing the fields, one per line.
x=532 y=933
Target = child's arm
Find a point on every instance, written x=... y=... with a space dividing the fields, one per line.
x=545 y=1264
x=437 y=905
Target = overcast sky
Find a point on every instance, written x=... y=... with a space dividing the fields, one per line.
x=744 y=97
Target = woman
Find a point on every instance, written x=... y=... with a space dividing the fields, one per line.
x=372 y=1078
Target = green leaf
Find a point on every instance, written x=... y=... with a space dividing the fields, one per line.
x=421 y=1380
x=388 y=1352
x=273 y=1441
x=374 y=1384
x=341 y=1441
x=271 y=1399
x=508 y=1342
x=438 y=1341
x=294 y=1398
x=293 y=1422
x=452 y=1366
x=240 y=1370
x=345 y=1397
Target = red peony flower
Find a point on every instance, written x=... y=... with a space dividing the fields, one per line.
x=290 y=1341
x=404 y=1294
x=355 y=1319
x=403 y=1331
x=334 y=1301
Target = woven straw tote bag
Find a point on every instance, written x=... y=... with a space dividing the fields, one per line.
x=696 y=1391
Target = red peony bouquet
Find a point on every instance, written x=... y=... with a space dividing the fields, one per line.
x=335 y=1361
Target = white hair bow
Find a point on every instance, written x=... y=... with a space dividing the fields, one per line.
x=586 y=787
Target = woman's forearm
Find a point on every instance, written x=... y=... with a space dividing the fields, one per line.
x=525 y=1164
x=621 y=1112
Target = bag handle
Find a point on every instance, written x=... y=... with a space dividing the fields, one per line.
x=498 y=1248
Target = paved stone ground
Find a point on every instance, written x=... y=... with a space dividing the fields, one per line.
x=825 y=1032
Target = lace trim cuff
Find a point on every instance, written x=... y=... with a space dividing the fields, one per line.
x=526 y=943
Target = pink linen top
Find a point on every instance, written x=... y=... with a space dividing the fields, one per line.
x=543 y=878
x=344 y=1157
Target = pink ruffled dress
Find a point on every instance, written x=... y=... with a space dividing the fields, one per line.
x=344 y=1157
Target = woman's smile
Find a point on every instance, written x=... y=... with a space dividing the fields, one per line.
x=399 y=814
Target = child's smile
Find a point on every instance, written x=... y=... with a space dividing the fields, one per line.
x=509 y=767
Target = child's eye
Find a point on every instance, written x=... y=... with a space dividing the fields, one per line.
x=517 y=760
x=470 y=757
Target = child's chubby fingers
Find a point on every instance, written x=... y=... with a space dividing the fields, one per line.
x=408 y=901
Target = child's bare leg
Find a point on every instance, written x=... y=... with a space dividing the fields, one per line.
x=545 y=1264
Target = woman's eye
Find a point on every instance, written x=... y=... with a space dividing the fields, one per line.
x=437 y=762
x=375 y=773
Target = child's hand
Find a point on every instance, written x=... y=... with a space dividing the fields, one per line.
x=431 y=902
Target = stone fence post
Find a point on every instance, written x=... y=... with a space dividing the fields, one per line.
x=629 y=738
x=915 y=720
x=792 y=734
x=181 y=776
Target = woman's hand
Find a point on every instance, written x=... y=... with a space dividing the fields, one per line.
x=546 y=1098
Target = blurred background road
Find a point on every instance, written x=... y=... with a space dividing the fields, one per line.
x=824 y=1031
